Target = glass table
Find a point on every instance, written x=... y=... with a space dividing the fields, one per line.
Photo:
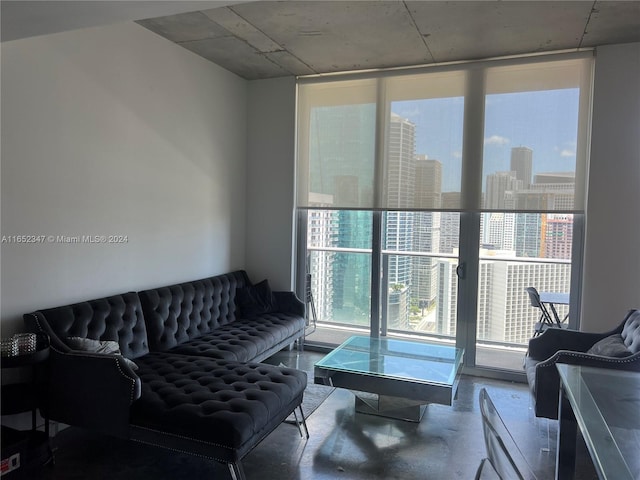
x=391 y=377
x=605 y=405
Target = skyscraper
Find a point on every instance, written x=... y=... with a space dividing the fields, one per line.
x=401 y=163
x=522 y=164
x=426 y=229
x=449 y=222
x=557 y=236
x=399 y=193
x=497 y=228
x=497 y=185
x=341 y=153
x=428 y=183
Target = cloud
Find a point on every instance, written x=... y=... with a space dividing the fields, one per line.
x=496 y=140
x=457 y=154
x=567 y=153
x=410 y=113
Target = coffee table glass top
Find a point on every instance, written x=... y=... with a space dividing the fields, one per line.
x=418 y=362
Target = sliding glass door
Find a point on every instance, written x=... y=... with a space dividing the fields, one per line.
x=429 y=199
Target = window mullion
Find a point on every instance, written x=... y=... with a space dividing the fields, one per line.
x=472 y=155
x=378 y=323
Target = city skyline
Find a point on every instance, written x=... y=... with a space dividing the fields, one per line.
x=511 y=120
x=415 y=282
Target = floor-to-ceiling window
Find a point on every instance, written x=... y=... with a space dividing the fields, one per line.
x=429 y=199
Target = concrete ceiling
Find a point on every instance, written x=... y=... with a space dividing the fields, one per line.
x=29 y=18
x=265 y=39
x=270 y=39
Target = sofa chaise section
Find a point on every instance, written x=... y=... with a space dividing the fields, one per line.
x=213 y=408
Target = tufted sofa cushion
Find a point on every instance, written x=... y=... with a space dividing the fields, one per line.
x=228 y=406
x=117 y=318
x=178 y=313
x=246 y=340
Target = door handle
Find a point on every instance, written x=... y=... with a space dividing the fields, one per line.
x=460 y=271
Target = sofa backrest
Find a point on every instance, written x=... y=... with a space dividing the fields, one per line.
x=117 y=318
x=631 y=331
x=178 y=313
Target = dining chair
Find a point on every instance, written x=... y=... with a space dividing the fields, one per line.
x=504 y=459
x=546 y=320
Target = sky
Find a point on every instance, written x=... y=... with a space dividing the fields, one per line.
x=544 y=121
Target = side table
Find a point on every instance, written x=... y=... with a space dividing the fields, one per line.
x=25 y=451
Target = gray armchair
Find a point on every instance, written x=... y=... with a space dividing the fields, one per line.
x=618 y=348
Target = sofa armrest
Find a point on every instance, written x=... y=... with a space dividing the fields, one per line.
x=91 y=390
x=547 y=378
x=289 y=302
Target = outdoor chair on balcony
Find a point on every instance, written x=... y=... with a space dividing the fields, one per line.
x=546 y=320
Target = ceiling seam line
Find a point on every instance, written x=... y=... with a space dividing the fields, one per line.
x=424 y=41
x=277 y=43
x=586 y=25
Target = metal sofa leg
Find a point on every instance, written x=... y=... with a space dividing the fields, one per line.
x=237 y=473
x=301 y=423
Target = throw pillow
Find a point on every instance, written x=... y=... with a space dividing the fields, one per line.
x=105 y=347
x=255 y=299
x=612 y=346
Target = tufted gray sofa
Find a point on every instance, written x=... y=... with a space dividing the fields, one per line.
x=186 y=376
x=618 y=348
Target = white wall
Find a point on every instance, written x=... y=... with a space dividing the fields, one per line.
x=270 y=181
x=611 y=283
x=115 y=130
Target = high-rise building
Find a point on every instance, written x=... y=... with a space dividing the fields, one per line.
x=497 y=185
x=504 y=311
x=341 y=162
x=447 y=301
x=428 y=183
x=528 y=236
x=522 y=164
x=426 y=230
x=497 y=228
x=400 y=187
x=341 y=153
x=500 y=230
x=401 y=163
x=558 y=236
x=321 y=232
x=561 y=184
x=351 y=300
x=449 y=222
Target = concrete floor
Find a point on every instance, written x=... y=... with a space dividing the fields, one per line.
x=447 y=444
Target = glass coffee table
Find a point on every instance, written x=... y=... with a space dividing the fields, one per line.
x=393 y=378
